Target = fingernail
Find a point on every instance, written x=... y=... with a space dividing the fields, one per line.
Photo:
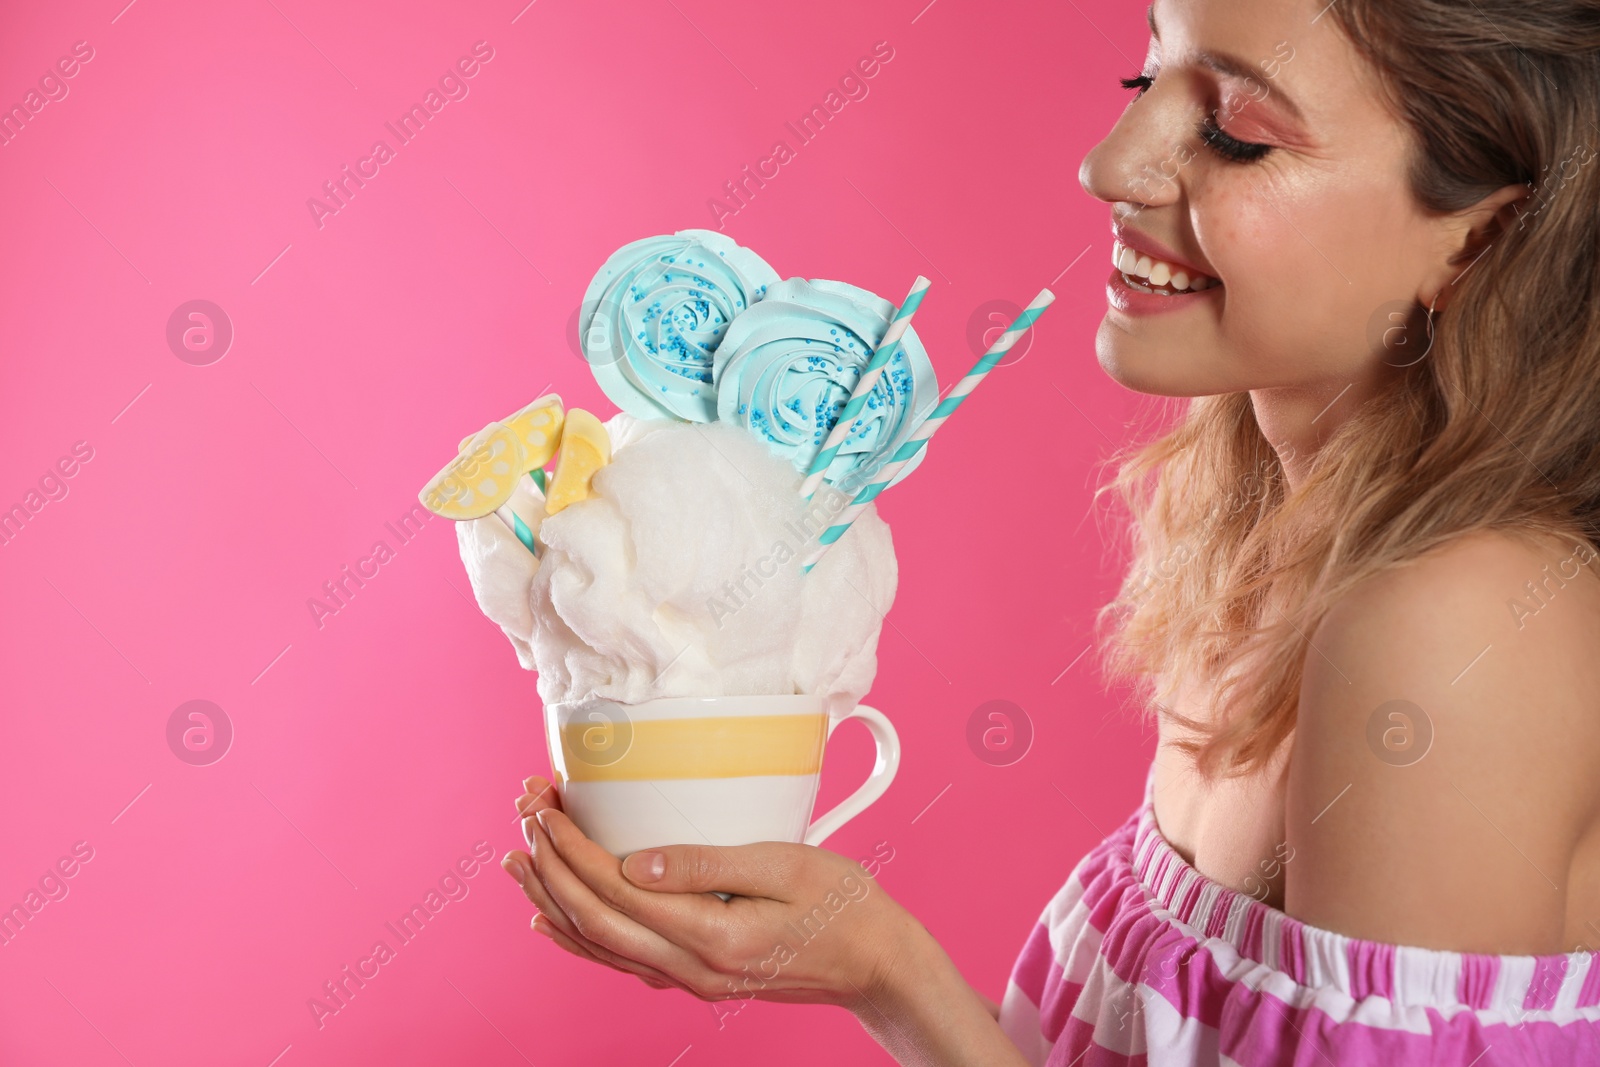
x=542 y=925
x=513 y=868
x=646 y=866
x=540 y=816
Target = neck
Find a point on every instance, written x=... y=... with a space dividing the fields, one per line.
x=1298 y=420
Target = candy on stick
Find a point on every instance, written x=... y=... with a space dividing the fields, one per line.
x=786 y=366
x=585 y=448
x=864 y=386
x=538 y=425
x=656 y=311
x=919 y=437
x=480 y=478
x=489 y=463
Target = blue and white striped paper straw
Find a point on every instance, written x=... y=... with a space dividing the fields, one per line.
x=514 y=522
x=919 y=439
x=864 y=385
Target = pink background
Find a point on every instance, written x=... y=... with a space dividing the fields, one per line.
x=373 y=752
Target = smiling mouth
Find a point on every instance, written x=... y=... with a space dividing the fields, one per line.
x=1146 y=274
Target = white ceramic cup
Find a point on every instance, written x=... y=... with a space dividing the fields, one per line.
x=705 y=770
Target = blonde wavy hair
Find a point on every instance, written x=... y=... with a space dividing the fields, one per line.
x=1497 y=427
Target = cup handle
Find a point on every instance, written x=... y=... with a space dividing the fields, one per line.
x=883 y=770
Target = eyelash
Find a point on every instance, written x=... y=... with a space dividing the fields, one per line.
x=1212 y=135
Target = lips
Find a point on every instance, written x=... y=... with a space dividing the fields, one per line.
x=1137 y=299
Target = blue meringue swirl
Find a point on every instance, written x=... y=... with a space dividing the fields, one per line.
x=786 y=367
x=657 y=310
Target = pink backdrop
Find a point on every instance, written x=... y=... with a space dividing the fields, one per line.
x=209 y=902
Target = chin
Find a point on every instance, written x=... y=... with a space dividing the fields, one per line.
x=1144 y=367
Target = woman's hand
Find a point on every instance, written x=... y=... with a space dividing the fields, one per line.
x=804 y=924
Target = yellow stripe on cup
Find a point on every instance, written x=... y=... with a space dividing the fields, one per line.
x=721 y=746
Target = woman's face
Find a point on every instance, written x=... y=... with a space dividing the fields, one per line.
x=1293 y=208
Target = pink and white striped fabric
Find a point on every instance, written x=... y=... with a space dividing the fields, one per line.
x=1141 y=960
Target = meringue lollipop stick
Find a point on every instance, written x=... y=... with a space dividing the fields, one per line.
x=914 y=447
x=864 y=386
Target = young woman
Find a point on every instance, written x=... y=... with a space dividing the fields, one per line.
x=1364 y=237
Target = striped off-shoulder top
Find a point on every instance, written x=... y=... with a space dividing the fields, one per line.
x=1140 y=959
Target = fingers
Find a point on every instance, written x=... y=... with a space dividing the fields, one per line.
x=520 y=866
x=554 y=923
x=650 y=977
x=570 y=867
x=682 y=937
x=540 y=793
x=766 y=870
x=696 y=926
x=537 y=793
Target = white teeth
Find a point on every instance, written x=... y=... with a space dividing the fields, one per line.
x=1158 y=272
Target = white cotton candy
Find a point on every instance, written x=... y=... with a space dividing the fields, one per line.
x=501 y=571
x=680 y=576
x=501 y=568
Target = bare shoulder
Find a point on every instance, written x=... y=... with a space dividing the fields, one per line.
x=1442 y=779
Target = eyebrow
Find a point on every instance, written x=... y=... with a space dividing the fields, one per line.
x=1231 y=66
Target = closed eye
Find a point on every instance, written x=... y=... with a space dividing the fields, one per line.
x=1228 y=147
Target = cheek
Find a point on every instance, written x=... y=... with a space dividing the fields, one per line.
x=1256 y=224
x=1296 y=264
x=1317 y=231
x=1269 y=267
x=1369 y=250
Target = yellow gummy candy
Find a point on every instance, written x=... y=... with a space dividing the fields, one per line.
x=539 y=427
x=481 y=477
x=585 y=448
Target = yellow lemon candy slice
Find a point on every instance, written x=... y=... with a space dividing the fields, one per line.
x=480 y=478
x=585 y=448
x=539 y=427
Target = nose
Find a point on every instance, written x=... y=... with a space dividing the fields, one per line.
x=1140 y=161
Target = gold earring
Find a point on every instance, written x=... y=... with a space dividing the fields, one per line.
x=1431 y=305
